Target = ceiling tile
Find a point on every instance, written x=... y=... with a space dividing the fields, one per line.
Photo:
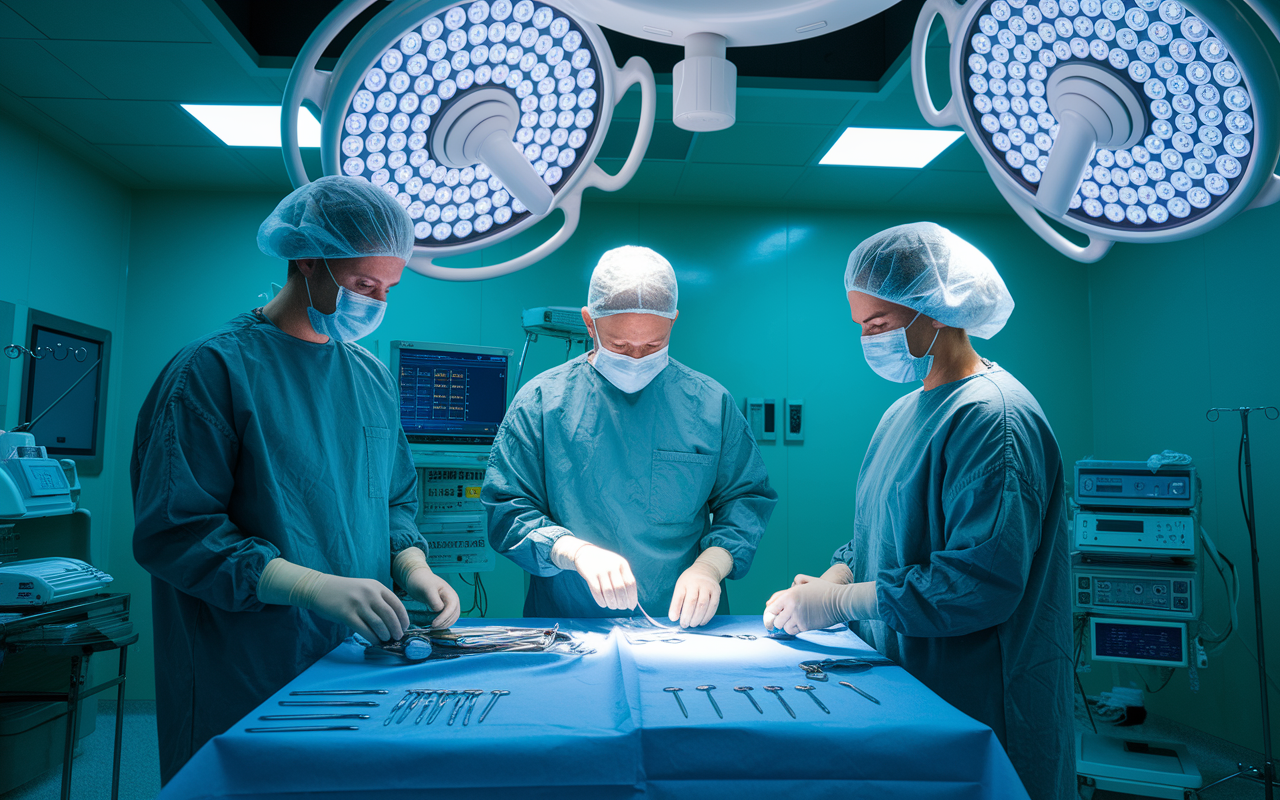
x=629 y=107
x=747 y=143
x=959 y=157
x=951 y=191
x=668 y=143
x=270 y=162
x=737 y=184
x=185 y=73
x=134 y=21
x=28 y=70
x=848 y=187
x=13 y=26
x=654 y=181
x=799 y=107
x=128 y=122
x=187 y=167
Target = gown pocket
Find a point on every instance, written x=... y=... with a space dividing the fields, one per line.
x=680 y=485
x=378 y=452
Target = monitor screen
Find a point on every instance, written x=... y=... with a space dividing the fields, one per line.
x=1140 y=642
x=451 y=395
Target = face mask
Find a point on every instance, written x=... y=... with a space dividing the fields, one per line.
x=890 y=356
x=354 y=317
x=629 y=374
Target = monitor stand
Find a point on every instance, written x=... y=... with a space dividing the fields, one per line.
x=1148 y=769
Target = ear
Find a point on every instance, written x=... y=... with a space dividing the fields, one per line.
x=937 y=325
x=307 y=266
x=586 y=320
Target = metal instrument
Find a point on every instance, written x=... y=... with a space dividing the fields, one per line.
x=707 y=688
x=747 y=691
x=809 y=691
x=282 y=717
x=675 y=691
x=471 y=704
x=859 y=691
x=360 y=703
x=817 y=670
x=338 y=692
x=444 y=698
x=426 y=706
x=392 y=714
x=496 y=694
x=300 y=729
x=461 y=698
x=418 y=697
x=777 y=692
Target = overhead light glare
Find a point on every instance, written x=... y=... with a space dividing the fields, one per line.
x=253 y=126
x=888 y=147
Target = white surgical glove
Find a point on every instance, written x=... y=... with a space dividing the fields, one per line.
x=836 y=573
x=697 y=593
x=411 y=571
x=607 y=574
x=817 y=604
x=362 y=604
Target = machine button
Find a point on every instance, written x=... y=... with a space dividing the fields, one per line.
x=1083 y=598
x=1180 y=603
x=1088 y=484
x=1158 y=589
x=1180 y=587
x=1138 y=485
x=1084 y=583
x=1137 y=588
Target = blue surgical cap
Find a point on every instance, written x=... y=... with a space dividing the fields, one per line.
x=929 y=269
x=632 y=280
x=337 y=217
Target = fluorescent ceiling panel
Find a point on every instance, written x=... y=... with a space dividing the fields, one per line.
x=888 y=147
x=253 y=126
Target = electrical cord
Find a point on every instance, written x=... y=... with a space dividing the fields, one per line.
x=479 y=594
x=1079 y=636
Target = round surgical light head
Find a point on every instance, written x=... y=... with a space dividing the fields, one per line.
x=477 y=117
x=1145 y=120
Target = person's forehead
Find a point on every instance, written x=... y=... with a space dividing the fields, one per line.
x=635 y=325
x=870 y=306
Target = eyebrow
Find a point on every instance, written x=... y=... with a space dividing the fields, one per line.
x=874 y=317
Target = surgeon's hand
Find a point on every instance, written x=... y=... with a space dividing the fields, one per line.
x=697 y=596
x=608 y=575
x=819 y=604
x=425 y=586
x=836 y=573
x=362 y=604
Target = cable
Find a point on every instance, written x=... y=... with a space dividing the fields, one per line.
x=1168 y=677
x=1079 y=636
x=479 y=595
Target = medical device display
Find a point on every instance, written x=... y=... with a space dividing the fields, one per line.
x=1132 y=484
x=449 y=394
x=40 y=581
x=1150 y=534
x=1138 y=641
x=478 y=117
x=1126 y=120
x=1165 y=593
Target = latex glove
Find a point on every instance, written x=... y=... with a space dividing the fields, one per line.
x=697 y=592
x=608 y=575
x=818 y=604
x=364 y=605
x=427 y=587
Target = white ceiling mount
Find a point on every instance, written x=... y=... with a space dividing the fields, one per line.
x=1093 y=110
x=704 y=85
x=478 y=128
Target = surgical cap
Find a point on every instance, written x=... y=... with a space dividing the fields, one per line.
x=337 y=217
x=632 y=280
x=931 y=270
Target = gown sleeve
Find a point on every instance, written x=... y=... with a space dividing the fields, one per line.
x=403 y=505
x=741 y=499
x=183 y=475
x=514 y=494
x=993 y=516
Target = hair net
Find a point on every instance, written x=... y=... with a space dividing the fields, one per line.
x=337 y=217
x=632 y=280
x=929 y=269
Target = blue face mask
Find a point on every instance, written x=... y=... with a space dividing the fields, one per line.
x=354 y=316
x=890 y=356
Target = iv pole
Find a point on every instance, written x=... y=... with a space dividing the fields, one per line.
x=1213 y=415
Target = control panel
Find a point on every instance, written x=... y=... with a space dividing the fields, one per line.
x=1135 y=534
x=1138 y=641
x=1132 y=484
x=450 y=515
x=1164 y=594
x=793 y=420
x=762 y=418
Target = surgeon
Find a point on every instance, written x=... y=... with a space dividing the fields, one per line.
x=622 y=479
x=958 y=567
x=274 y=494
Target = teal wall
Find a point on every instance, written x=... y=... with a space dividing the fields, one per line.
x=65 y=230
x=763 y=311
x=1178 y=328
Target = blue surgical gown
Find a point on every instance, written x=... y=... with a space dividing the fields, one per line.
x=637 y=474
x=251 y=445
x=961 y=522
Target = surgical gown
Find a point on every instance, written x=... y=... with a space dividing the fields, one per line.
x=633 y=473
x=251 y=445
x=961 y=522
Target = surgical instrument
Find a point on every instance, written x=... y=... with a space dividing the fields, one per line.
x=282 y=717
x=444 y=698
x=817 y=670
x=809 y=691
x=426 y=706
x=304 y=728
x=675 y=691
x=463 y=696
x=859 y=691
x=339 y=691
x=361 y=703
x=496 y=694
x=471 y=704
x=392 y=713
x=747 y=691
x=777 y=692
x=419 y=695
x=707 y=688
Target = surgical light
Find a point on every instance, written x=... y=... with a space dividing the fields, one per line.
x=252 y=126
x=478 y=117
x=1126 y=120
x=888 y=147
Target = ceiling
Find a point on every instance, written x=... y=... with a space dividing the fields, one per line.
x=104 y=79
